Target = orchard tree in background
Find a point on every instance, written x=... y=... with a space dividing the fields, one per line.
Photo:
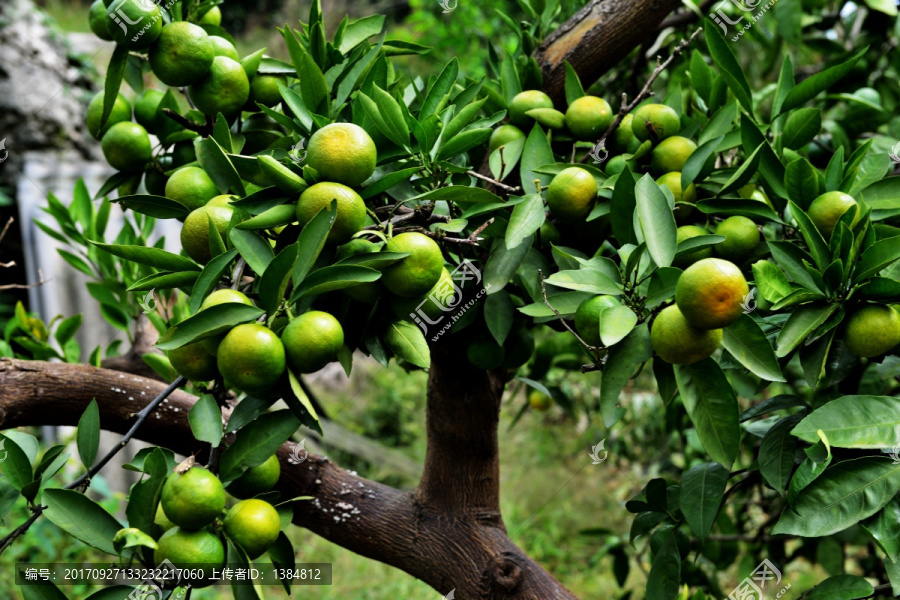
x=733 y=236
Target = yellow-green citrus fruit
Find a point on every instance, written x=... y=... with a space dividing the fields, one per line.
x=161 y=520
x=146 y=107
x=485 y=353
x=256 y=480
x=192 y=500
x=196 y=553
x=525 y=101
x=678 y=342
x=587 y=317
x=182 y=55
x=342 y=152
x=417 y=273
x=126 y=147
x=195 y=231
x=710 y=293
x=251 y=357
x=212 y=17
x=571 y=195
x=222 y=47
x=872 y=330
x=539 y=401
x=503 y=135
x=225 y=89
x=264 y=89
x=134 y=25
x=191 y=186
x=351 y=210
x=673 y=182
x=253 y=525
x=623 y=139
x=826 y=210
x=211 y=344
x=615 y=165
x=549 y=234
x=655 y=122
x=99 y=22
x=588 y=117
x=312 y=340
x=741 y=238
x=194 y=362
x=121 y=111
x=444 y=291
x=686 y=232
x=671 y=154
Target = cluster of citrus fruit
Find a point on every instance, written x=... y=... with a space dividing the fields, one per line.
x=191 y=517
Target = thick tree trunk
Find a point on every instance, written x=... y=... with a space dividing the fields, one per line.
x=596 y=38
x=448 y=532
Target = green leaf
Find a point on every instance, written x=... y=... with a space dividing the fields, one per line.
x=210 y=277
x=299 y=394
x=43 y=591
x=253 y=248
x=888 y=7
x=747 y=343
x=585 y=280
x=665 y=572
x=700 y=163
x=407 y=341
x=799 y=325
x=459 y=193
x=132 y=537
x=536 y=153
x=884 y=528
x=622 y=361
x=776 y=453
x=144 y=498
x=388 y=181
x=801 y=182
x=720 y=124
x=88 y=438
x=801 y=127
x=387 y=115
x=843 y=495
x=712 y=406
x=152 y=257
x=360 y=30
x=574 y=89
x=622 y=208
x=115 y=72
x=615 y=323
x=814 y=85
x=256 y=442
x=440 y=89
x=313 y=86
x=656 y=220
x=209 y=322
x=311 y=241
x=814 y=240
x=164 y=280
x=218 y=166
x=273 y=283
x=498 y=314
x=334 y=277
x=702 y=492
x=464 y=142
x=158 y=207
x=729 y=67
x=842 y=587
x=16 y=466
x=504 y=159
x=81 y=517
x=510 y=85
x=871 y=422
x=527 y=217
x=878 y=256
x=503 y=263
x=205 y=418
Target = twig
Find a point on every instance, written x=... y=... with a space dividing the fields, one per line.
x=626 y=107
x=23 y=286
x=6 y=228
x=482 y=227
x=202 y=129
x=507 y=188
x=85 y=480
x=591 y=349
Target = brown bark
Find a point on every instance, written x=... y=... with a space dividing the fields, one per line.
x=448 y=532
x=596 y=38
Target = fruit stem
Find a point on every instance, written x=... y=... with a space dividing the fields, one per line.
x=593 y=351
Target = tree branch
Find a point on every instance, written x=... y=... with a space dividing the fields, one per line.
x=596 y=38
x=451 y=541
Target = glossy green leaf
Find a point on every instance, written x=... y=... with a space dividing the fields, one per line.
x=622 y=362
x=253 y=248
x=208 y=323
x=585 y=280
x=843 y=495
x=159 y=207
x=842 y=587
x=615 y=323
x=747 y=343
x=334 y=277
x=256 y=442
x=536 y=153
x=801 y=127
x=527 y=217
x=729 y=67
x=712 y=406
x=855 y=422
x=218 y=166
x=273 y=283
x=88 y=436
x=656 y=221
x=17 y=465
x=498 y=315
x=407 y=341
x=205 y=418
x=503 y=263
x=81 y=517
x=664 y=579
x=702 y=492
x=801 y=182
x=799 y=325
x=776 y=453
x=814 y=85
x=152 y=257
x=210 y=277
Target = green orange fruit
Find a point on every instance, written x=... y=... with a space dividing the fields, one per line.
x=678 y=342
x=710 y=293
x=587 y=317
x=741 y=238
x=872 y=330
x=671 y=154
x=134 y=25
x=588 y=117
x=225 y=89
x=253 y=525
x=826 y=210
x=525 y=101
x=251 y=358
x=192 y=500
x=121 y=112
x=195 y=230
x=194 y=362
x=256 y=480
x=312 y=340
x=655 y=122
x=182 y=55
x=417 y=273
x=342 y=152
x=504 y=135
x=126 y=147
x=351 y=210
x=686 y=232
x=192 y=187
x=571 y=195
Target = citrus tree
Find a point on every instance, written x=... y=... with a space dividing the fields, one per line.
x=734 y=243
